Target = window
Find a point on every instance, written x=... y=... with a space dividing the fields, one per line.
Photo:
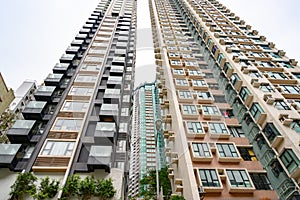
x=75 y=106
x=210 y=110
x=278 y=75
x=208 y=75
x=276 y=168
x=266 y=88
x=281 y=105
x=55 y=148
x=295 y=125
x=86 y=78
x=234 y=79
x=219 y=98
x=185 y=94
x=227 y=150
x=194 y=127
x=201 y=149
x=256 y=110
x=209 y=178
x=199 y=83
x=255 y=74
x=297 y=75
x=247 y=153
x=67 y=125
x=194 y=72
x=291 y=89
x=290 y=160
x=227 y=67
x=178 y=71
x=182 y=82
x=189 y=110
x=176 y=62
x=261 y=181
x=238 y=178
x=220 y=57
x=236 y=131
x=270 y=131
x=204 y=95
x=78 y=91
x=213 y=86
x=90 y=67
x=244 y=93
x=218 y=127
x=274 y=55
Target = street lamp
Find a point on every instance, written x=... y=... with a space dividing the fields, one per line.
x=158 y=125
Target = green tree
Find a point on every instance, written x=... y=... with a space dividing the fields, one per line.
x=71 y=187
x=24 y=185
x=7 y=119
x=105 y=189
x=148 y=184
x=47 y=189
x=177 y=197
x=87 y=187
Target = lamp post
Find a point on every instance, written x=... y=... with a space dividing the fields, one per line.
x=158 y=125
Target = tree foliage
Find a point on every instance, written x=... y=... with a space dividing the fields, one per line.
x=24 y=185
x=177 y=197
x=47 y=189
x=7 y=119
x=148 y=184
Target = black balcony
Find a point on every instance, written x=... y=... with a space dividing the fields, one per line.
x=104 y=133
x=61 y=68
x=53 y=80
x=100 y=158
x=67 y=58
x=78 y=43
x=73 y=49
x=34 y=110
x=21 y=132
x=44 y=93
x=109 y=113
x=8 y=155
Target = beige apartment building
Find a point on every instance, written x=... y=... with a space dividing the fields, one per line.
x=6 y=95
x=230 y=104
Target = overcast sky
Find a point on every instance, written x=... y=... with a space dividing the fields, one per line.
x=34 y=33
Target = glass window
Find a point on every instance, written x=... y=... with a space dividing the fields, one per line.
x=201 y=149
x=194 y=127
x=36 y=104
x=199 y=83
x=67 y=125
x=195 y=72
x=247 y=153
x=281 y=105
x=290 y=160
x=244 y=93
x=266 y=88
x=210 y=110
x=178 y=71
x=220 y=57
x=75 y=106
x=182 y=82
x=81 y=91
x=227 y=150
x=90 y=67
x=86 y=78
x=256 y=110
x=295 y=125
x=270 y=131
x=23 y=124
x=261 y=181
x=55 y=148
x=255 y=74
x=204 y=95
x=297 y=75
x=209 y=178
x=234 y=78
x=291 y=89
x=236 y=131
x=106 y=126
x=218 y=127
x=123 y=127
x=189 y=109
x=278 y=75
x=185 y=94
x=238 y=178
x=176 y=62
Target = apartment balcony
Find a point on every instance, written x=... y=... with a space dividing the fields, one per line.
x=263 y=151
x=105 y=133
x=53 y=80
x=100 y=158
x=61 y=68
x=45 y=93
x=21 y=132
x=35 y=110
x=9 y=155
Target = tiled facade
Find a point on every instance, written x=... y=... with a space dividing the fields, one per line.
x=229 y=103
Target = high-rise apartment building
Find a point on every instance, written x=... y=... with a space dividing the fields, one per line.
x=147 y=143
x=230 y=104
x=79 y=121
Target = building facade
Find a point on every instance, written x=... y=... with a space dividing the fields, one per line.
x=229 y=103
x=144 y=135
x=79 y=120
x=6 y=95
